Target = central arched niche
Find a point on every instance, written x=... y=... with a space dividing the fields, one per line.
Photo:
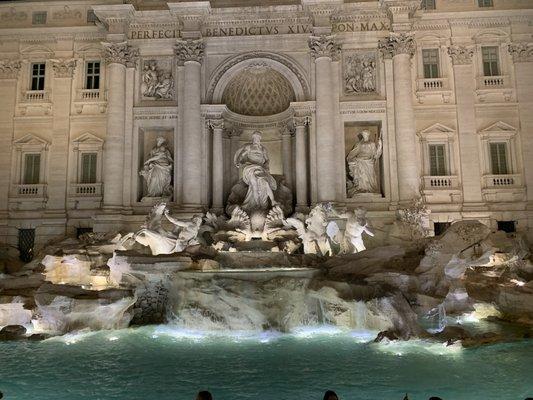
x=258 y=90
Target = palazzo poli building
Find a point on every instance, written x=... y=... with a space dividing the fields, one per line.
x=362 y=103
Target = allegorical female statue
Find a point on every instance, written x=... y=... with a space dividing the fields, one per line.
x=157 y=170
x=363 y=165
x=253 y=158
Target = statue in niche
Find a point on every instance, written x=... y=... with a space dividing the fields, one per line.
x=363 y=165
x=157 y=83
x=157 y=170
x=258 y=199
x=163 y=241
x=360 y=74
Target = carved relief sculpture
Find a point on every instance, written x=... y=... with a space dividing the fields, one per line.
x=190 y=50
x=359 y=73
x=9 y=69
x=397 y=44
x=63 y=68
x=461 y=55
x=156 y=81
x=157 y=171
x=363 y=165
x=120 y=53
x=521 y=52
x=324 y=46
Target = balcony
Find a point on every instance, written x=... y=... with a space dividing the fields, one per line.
x=86 y=190
x=441 y=182
x=433 y=89
x=36 y=96
x=89 y=95
x=493 y=82
x=28 y=190
x=502 y=181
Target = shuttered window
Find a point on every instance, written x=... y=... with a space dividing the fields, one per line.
x=88 y=168
x=498 y=158
x=437 y=160
x=491 y=61
x=32 y=168
x=430 y=59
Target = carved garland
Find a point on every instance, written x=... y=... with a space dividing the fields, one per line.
x=120 y=53
x=397 y=44
x=461 y=55
x=190 y=50
x=9 y=69
x=521 y=52
x=257 y=54
x=64 y=68
x=324 y=46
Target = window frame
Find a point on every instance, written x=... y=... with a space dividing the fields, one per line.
x=89 y=179
x=37 y=178
x=497 y=169
x=436 y=64
x=445 y=162
x=489 y=63
x=92 y=75
x=39 y=77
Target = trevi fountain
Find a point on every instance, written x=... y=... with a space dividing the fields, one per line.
x=260 y=301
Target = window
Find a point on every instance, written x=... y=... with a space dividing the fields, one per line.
x=437 y=160
x=498 y=158
x=491 y=62
x=32 y=169
x=485 y=3
x=37 y=76
x=440 y=227
x=26 y=242
x=38 y=18
x=92 y=75
x=91 y=16
x=88 y=168
x=507 y=226
x=430 y=59
x=428 y=4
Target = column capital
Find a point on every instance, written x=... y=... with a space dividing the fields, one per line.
x=301 y=120
x=324 y=46
x=216 y=123
x=120 y=53
x=397 y=44
x=64 y=68
x=190 y=50
x=461 y=54
x=9 y=69
x=521 y=51
x=287 y=130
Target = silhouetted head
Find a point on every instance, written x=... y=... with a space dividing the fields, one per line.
x=204 y=395
x=1 y=395
x=330 y=395
x=435 y=398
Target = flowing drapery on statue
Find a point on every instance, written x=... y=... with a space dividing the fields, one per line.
x=363 y=165
x=157 y=171
x=253 y=158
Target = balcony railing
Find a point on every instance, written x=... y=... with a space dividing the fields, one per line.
x=493 y=82
x=86 y=189
x=502 y=181
x=89 y=94
x=36 y=96
x=441 y=182
x=433 y=84
x=29 y=190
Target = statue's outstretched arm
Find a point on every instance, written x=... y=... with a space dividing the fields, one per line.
x=175 y=221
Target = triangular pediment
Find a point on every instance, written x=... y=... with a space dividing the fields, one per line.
x=30 y=140
x=499 y=126
x=437 y=129
x=88 y=138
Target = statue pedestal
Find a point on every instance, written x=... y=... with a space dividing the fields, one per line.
x=154 y=200
x=365 y=197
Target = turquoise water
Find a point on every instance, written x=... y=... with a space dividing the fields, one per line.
x=166 y=363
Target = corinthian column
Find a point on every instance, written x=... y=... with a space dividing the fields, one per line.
x=523 y=65
x=324 y=50
x=401 y=47
x=286 y=150
x=463 y=75
x=117 y=56
x=301 y=162
x=217 y=125
x=190 y=53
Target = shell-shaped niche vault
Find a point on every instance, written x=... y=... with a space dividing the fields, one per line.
x=258 y=90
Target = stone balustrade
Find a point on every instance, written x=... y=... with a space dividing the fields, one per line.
x=36 y=96
x=495 y=181
x=86 y=189
x=433 y=84
x=441 y=182
x=29 y=190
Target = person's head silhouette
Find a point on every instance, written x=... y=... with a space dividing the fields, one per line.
x=204 y=395
x=330 y=395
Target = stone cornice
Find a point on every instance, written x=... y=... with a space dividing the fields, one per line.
x=190 y=50
x=63 y=68
x=9 y=69
x=521 y=51
x=120 y=53
x=116 y=17
x=397 y=44
x=461 y=54
x=324 y=46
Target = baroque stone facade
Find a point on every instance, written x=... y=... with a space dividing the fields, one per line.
x=364 y=104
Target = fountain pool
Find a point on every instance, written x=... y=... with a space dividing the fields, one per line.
x=162 y=362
